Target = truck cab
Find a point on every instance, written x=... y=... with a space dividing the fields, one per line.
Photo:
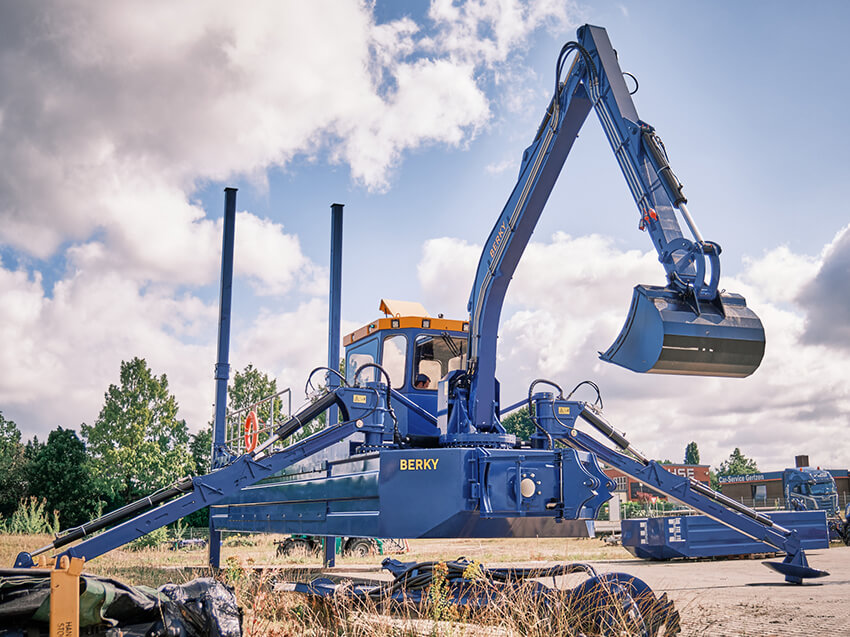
x=416 y=350
x=809 y=489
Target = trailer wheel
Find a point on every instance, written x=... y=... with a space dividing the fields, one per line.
x=294 y=546
x=361 y=547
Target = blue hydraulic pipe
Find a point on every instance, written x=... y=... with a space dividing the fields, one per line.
x=334 y=317
x=222 y=366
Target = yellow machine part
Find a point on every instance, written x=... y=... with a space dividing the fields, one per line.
x=65 y=597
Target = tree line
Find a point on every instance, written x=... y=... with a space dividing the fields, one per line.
x=137 y=444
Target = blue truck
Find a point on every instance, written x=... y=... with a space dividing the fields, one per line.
x=808 y=489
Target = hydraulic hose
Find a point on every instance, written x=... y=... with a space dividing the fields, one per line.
x=129 y=510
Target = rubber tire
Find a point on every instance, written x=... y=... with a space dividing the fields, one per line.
x=361 y=547
x=291 y=546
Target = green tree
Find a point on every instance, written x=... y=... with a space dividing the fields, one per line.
x=713 y=480
x=200 y=447
x=32 y=448
x=137 y=444
x=59 y=474
x=13 y=483
x=249 y=387
x=519 y=423
x=691 y=453
x=737 y=464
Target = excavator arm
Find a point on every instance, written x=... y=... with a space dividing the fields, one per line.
x=685 y=327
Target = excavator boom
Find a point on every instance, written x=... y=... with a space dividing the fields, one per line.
x=686 y=327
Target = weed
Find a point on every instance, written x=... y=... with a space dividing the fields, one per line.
x=439 y=603
x=31 y=518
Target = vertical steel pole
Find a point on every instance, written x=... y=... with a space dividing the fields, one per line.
x=334 y=313
x=222 y=366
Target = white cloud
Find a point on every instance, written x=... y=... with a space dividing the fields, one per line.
x=489 y=30
x=496 y=168
x=112 y=117
x=780 y=274
x=568 y=301
x=434 y=101
x=445 y=271
x=65 y=350
x=287 y=344
x=826 y=296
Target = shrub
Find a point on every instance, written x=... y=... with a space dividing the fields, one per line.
x=149 y=540
x=30 y=518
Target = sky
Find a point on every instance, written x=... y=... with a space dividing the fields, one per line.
x=122 y=123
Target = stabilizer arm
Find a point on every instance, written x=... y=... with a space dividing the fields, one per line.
x=193 y=494
x=685 y=490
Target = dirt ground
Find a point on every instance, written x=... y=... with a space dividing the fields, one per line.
x=743 y=597
x=735 y=597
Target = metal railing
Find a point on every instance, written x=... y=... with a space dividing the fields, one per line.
x=269 y=412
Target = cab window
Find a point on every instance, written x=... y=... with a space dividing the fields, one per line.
x=355 y=362
x=434 y=356
x=394 y=357
x=357 y=356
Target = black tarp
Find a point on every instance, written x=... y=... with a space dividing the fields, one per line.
x=203 y=607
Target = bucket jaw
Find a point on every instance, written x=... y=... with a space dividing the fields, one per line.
x=667 y=332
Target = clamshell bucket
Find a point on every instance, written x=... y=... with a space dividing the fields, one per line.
x=668 y=334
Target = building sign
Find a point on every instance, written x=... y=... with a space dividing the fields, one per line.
x=752 y=477
x=685 y=472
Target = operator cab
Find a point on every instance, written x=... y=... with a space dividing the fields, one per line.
x=415 y=349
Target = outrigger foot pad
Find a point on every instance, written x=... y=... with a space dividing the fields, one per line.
x=795 y=573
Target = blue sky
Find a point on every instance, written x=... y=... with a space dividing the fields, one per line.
x=746 y=99
x=119 y=137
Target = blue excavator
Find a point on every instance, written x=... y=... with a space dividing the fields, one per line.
x=419 y=449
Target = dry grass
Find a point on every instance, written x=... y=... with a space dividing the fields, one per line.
x=252 y=568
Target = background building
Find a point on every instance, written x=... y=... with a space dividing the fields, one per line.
x=766 y=488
